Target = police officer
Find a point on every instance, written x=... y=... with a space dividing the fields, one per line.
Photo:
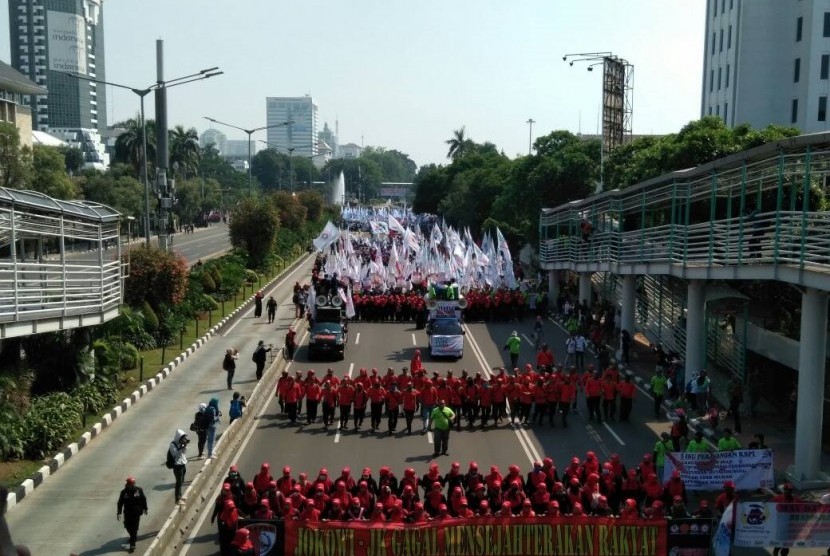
x=132 y=503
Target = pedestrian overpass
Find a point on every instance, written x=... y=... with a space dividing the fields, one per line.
x=60 y=264
x=742 y=217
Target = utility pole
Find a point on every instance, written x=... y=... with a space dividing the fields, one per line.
x=530 y=123
x=164 y=188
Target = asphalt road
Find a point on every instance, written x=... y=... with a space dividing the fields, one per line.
x=381 y=345
x=205 y=243
x=74 y=510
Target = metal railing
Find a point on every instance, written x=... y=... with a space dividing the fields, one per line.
x=30 y=291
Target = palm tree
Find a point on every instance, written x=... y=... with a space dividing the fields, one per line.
x=185 y=151
x=459 y=144
x=129 y=147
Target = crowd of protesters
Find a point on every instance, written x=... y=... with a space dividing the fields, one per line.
x=584 y=488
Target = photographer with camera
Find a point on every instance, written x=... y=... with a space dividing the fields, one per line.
x=177 y=457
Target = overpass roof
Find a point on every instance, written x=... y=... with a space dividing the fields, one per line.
x=86 y=210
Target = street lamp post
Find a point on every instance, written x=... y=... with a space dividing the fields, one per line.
x=249 y=132
x=203 y=74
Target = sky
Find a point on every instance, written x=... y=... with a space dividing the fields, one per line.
x=403 y=74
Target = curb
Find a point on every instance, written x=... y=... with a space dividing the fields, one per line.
x=18 y=493
x=197 y=499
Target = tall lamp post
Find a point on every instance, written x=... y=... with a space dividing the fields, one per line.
x=203 y=74
x=249 y=132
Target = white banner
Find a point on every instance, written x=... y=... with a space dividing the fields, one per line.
x=749 y=469
x=67 y=42
x=782 y=524
x=445 y=309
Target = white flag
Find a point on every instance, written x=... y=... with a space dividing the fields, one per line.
x=722 y=539
x=394 y=225
x=329 y=235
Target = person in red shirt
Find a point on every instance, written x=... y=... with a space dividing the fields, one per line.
x=609 y=397
x=525 y=400
x=540 y=401
x=471 y=395
x=404 y=379
x=329 y=399
x=593 y=394
x=567 y=395
x=725 y=498
x=499 y=400
x=313 y=395
x=345 y=396
x=415 y=365
x=429 y=396
x=410 y=404
x=485 y=400
x=361 y=400
x=545 y=360
x=393 y=402
x=291 y=395
x=626 y=389
x=377 y=395
x=552 y=389
x=310 y=513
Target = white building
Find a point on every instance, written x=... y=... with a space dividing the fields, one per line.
x=238 y=148
x=214 y=137
x=349 y=150
x=299 y=138
x=767 y=62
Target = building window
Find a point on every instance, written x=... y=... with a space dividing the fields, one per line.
x=717 y=110
x=720 y=48
x=728 y=68
x=799 y=24
x=729 y=39
x=715 y=8
x=827 y=24
x=726 y=112
x=794 y=111
x=797 y=70
x=722 y=6
x=714 y=37
x=825 y=65
x=710 y=110
x=711 y=80
x=720 y=74
x=822 y=109
x=731 y=4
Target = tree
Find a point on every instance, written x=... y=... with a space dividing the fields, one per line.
x=157 y=276
x=459 y=144
x=363 y=176
x=184 y=151
x=73 y=159
x=270 y=168
x=430 y=185
x=49 y=174
x=15 y=161
x=291 y=213
x=253 y=226
x=395 y=166
x=212 y=165
x=129 y=147
x=116 y=188
x=313 y=203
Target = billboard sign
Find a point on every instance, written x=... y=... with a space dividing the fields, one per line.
x=67 y=42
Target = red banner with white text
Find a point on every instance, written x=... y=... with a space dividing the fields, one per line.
x=496 y=536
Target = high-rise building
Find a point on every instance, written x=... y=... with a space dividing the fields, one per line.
x=329 y=138
x=214 y=137
x=767 y=62
x=50 y=37
x=299 y=138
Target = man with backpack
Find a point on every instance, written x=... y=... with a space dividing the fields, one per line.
x=177 y=460
x=259 y=358
x=200 y=426
x=237 y=405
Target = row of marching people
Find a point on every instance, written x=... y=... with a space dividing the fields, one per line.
x=529 y=397
x=586 y=487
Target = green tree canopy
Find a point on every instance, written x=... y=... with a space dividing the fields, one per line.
x=49 y=174
x=254 y=224
x=15 y=161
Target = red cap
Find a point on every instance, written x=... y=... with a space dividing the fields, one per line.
x=676 y=473
x=234 y=468
x=473 y=465
x=130 y=480
x=729 y=484
x=384 y=470
x=286 y=470
x=367 y=471
x=456 y=465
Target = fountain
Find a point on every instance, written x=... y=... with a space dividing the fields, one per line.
x=338 y=190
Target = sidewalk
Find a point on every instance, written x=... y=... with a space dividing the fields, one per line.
x=135 y=442
x=770 y=420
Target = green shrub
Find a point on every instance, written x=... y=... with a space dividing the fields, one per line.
x=129 y=357
x=96 y=396
x=50 y=422
x=251 y=276
x=209 y=303
x=208 y=283
x=151 y=320
x=107 y=356
x=216 y=275
x=12 y=433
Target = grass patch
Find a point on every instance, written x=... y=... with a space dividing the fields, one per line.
x=12 y=473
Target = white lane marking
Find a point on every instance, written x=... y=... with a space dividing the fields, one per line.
x=526 y=337
x=615 y=435
x=357 y=339
x=525 y=442
x=190 y=539
x=337 y=434
x=429 y=437
x=271 y=290
x=414 y=341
